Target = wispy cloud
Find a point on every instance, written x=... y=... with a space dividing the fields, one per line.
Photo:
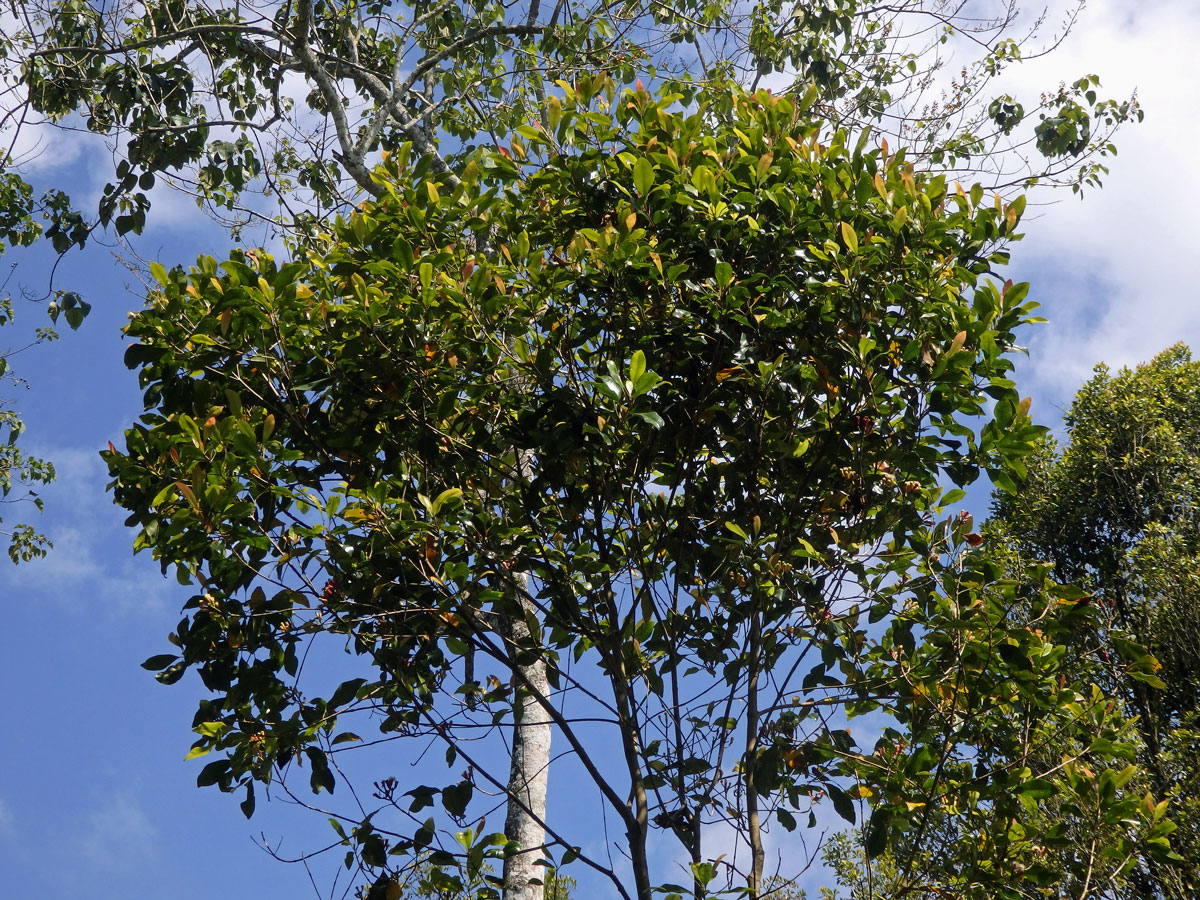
x=118 y=834
x=92 y=561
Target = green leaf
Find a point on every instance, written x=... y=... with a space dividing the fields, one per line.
x=841 y=802
x=450 y=495
x=637 y=366
x=320 y=776
x=952 y=496
x=189 y=427
x=786 y=819
x=724 y=275
x=1146 y=678
x=1037 y=789
x=457 y=797
x=424 y=835
x=649 y=417
x=878 y=828
x=806 y=101
x=422 y=797
x=171 y=674
x=643 y=175
x=346 y=691
x=212 y=773
x=1004 y=482
x=704 y=872
x=247 y=805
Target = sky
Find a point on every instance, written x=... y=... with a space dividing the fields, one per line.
x=95 y=798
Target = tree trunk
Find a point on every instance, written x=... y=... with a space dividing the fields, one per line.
x=529 y=769
x=754 y=828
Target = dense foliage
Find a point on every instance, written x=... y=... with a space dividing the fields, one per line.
x=1115 y=510
x=274 y=116
x=677 y=391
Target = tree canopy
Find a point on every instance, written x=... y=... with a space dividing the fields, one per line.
x=676 y=389
x=1115 y=511
x=274 y=115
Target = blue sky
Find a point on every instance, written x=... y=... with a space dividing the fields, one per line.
x=95 y=799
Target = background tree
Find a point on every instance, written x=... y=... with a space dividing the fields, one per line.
x=699 y=375
x=1116 y=512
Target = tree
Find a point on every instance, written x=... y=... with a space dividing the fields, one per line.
x=675 y=389
x=1115 y=511
x=207 y=98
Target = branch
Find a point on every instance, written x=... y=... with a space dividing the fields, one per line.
x=349 y=157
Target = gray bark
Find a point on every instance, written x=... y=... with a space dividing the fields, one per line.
x=529 y=769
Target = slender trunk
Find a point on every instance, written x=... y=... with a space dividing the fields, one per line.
x=529 y=768
x=754 y=827
x=637 y=824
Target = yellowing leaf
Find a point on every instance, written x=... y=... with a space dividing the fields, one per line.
x=764 y=164
x=849 y=237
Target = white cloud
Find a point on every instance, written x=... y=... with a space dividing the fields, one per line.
x=118 y=835
x=92 y=559
x=1114 y=272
